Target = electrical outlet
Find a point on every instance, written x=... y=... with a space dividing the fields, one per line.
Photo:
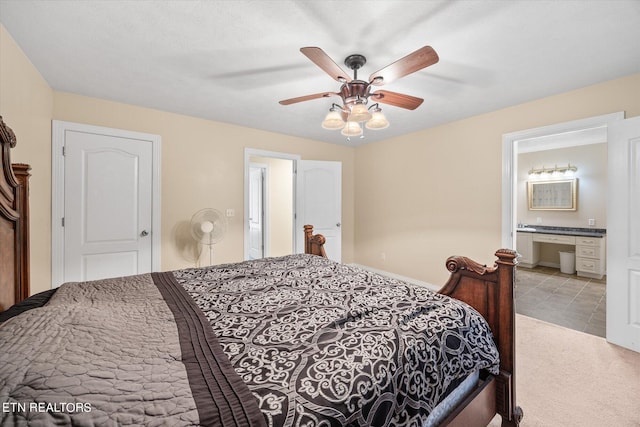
x=592 y=222
x=230 y=213
x=383 y=256
x=538 y=220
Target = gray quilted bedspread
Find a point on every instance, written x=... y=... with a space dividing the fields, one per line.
x=111 y=353
x=110 y=344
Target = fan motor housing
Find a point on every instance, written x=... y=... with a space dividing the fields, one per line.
x=354 y=90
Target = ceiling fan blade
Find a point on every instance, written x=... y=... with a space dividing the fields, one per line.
x=397 y=99
x=308 y=97
x=411 y=63
x=322 y=60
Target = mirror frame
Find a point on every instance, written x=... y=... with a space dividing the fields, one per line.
x=556 y=195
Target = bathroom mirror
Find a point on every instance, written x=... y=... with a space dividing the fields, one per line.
x=557 y=195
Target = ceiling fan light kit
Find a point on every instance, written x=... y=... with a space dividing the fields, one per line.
x=356 y=93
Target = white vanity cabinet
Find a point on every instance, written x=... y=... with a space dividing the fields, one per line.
x=529 y=253
x=590 y=251
x=590 y=256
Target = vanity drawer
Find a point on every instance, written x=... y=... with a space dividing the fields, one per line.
x=553 y=238
x=588 y=265
x=589 y=241
x=587 y=251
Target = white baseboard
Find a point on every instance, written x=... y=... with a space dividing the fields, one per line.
x=397 y=277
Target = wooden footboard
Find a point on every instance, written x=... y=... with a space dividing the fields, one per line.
x=490 y=290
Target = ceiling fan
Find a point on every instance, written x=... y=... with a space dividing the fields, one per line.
x=356 y=93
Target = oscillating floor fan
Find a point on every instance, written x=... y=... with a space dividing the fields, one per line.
x=208 y=227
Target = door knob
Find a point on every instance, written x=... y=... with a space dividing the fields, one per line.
x=144 y=233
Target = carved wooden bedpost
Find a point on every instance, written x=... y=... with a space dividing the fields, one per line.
x=14 y=223
x=506 y=265
x=313 y=245
x=491 y=292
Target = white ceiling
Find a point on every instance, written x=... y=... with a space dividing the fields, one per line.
x=232 y=61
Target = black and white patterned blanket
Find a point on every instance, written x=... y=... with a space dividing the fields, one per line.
x=324 y=344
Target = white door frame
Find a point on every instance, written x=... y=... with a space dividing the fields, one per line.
x=248 y=153
x=58 y=130
x=510 y=162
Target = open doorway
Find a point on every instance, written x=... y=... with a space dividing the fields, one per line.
x=547 y=288
x=553 y=285
x=269 y=204
x=298 y=192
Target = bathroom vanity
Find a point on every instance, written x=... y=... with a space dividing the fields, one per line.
x=590 y=247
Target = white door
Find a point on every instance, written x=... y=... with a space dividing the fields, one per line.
x=107 y=203
x=623 y=234
x=257 y=174
x=319 y=203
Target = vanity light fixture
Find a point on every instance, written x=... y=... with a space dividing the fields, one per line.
x=554 y=172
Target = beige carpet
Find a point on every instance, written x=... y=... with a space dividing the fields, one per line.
x=569 y=378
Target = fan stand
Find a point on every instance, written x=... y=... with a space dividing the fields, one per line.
x=210 y=254
x=210 y=244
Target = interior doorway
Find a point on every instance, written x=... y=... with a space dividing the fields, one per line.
x=269 y=203
x=544 y=292
x=298 y=192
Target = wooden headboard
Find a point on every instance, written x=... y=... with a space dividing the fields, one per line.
x=14 y=223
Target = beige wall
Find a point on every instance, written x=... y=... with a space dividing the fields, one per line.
x=417 y=198
x=423 y=197
x=203 y=166
x=591 y=161
x=202 y=161
x=26 y=105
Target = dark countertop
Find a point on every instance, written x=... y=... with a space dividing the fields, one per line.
x=567 y=231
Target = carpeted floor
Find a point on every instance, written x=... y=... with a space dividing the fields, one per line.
x=567 y=378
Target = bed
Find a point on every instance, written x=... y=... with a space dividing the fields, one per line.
x=294 y=340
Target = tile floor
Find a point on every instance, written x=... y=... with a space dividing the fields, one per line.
x=567 y=300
